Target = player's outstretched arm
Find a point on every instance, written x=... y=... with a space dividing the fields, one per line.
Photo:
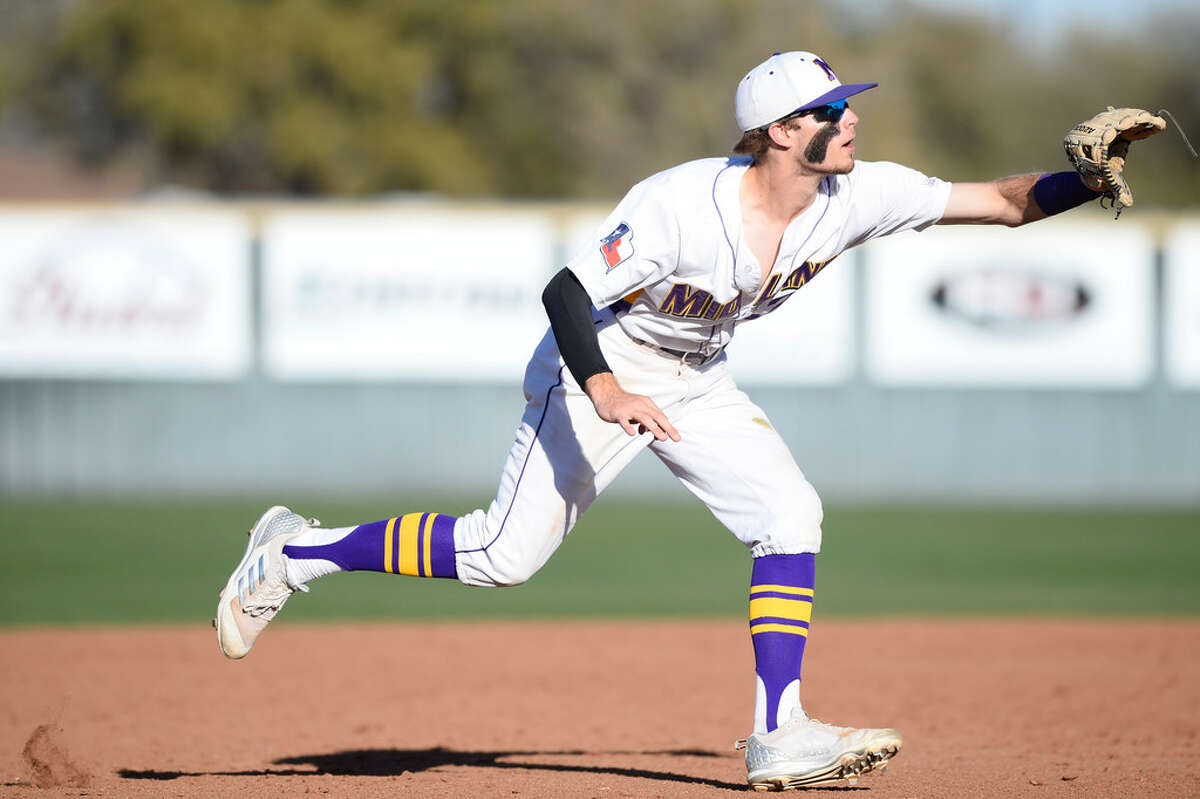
x=1008 y=201
x=1097 y=148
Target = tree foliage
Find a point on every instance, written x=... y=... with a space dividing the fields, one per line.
x=547 y=98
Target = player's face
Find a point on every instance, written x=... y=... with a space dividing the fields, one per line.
x=824 y=141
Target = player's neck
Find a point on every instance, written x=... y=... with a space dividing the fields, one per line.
x=775 y=189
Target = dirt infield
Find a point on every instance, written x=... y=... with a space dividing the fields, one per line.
x=588 y=709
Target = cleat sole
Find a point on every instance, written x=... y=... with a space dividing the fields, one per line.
x=851 y=766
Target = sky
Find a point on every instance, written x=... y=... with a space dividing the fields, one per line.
x=1040 y=18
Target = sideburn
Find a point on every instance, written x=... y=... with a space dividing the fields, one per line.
x=818 y=146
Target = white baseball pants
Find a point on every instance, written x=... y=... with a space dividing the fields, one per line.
x=564 y=456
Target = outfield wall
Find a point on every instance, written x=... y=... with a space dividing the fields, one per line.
x=336 y=349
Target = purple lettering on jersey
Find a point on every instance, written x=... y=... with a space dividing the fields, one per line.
x=773 y=293
x=713 y=308
x=769 y=288
x=802 y=274
x=685 y=300
x=693 y=303
x=729 y=309
x=718 y=311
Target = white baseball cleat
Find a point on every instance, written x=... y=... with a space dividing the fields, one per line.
x=805 y=752
x=258 y=586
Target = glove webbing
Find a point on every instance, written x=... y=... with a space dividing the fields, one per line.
x=1178 y=128
x=1107 y=174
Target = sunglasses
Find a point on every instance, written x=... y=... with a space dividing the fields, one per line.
x=830 y=112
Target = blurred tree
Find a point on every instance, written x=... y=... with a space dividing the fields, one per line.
x=26 y=25
x=1157 y=70
x=562 y=97
x=309 y=96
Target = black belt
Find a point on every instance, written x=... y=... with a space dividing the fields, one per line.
x=690 y=358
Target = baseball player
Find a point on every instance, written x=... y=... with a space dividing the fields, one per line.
x=635 y=359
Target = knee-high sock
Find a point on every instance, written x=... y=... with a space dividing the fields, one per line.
x=417 y=544
x=781 y=595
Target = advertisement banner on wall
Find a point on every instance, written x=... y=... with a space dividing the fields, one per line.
x=419 y=294
x=1181 y=301
x=1054 y=304
x=808 y=341
x=137 y=293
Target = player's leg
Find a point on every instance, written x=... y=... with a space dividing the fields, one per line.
x=554 y=470
x=424 y=544
x=562 y=458
x=735 y=462
x=731 y=457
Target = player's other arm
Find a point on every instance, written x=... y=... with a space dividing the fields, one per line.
x=570 y=311
x=1015 y=200
x=1098 y=148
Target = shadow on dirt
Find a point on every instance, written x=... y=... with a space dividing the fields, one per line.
x=391 y=762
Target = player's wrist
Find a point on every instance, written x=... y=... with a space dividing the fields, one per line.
x=599 y=383
x=1062 y=191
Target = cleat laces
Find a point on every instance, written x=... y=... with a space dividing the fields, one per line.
x=271 y=598
x=829 y=727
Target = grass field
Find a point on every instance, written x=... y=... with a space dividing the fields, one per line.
x=109 y=562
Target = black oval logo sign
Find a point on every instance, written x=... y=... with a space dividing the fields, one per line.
x=1011 y=300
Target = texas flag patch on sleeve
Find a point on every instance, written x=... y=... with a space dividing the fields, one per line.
x=617 y=247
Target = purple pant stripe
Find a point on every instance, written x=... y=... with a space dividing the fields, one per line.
x=778 y=620
x=778 y=657
x=421 y=545
x=779 y=595
x=441 y=544
x=796 y=571
x=360 y=550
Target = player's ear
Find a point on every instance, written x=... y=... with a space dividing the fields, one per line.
x=779 y=133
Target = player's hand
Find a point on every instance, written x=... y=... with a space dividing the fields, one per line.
x=635 y=413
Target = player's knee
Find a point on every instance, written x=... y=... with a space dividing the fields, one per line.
x=500 y=570
x=795 y=526
x=511 y=575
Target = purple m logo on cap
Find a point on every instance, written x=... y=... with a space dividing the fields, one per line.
x=828 y=69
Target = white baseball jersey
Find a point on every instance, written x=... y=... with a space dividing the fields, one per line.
x=676 y=243
x=674 y=250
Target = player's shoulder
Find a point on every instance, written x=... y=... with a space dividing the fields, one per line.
x=692 y=175
x=689 y=191
x=875 y=172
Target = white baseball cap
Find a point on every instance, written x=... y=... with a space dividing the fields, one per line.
x=786 y=83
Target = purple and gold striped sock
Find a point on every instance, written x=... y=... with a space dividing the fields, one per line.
x=781 y=596
x=417 y=544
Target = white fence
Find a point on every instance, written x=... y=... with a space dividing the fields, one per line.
x=201 y=349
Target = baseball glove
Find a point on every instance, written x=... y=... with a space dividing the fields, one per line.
x=1098 y=147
